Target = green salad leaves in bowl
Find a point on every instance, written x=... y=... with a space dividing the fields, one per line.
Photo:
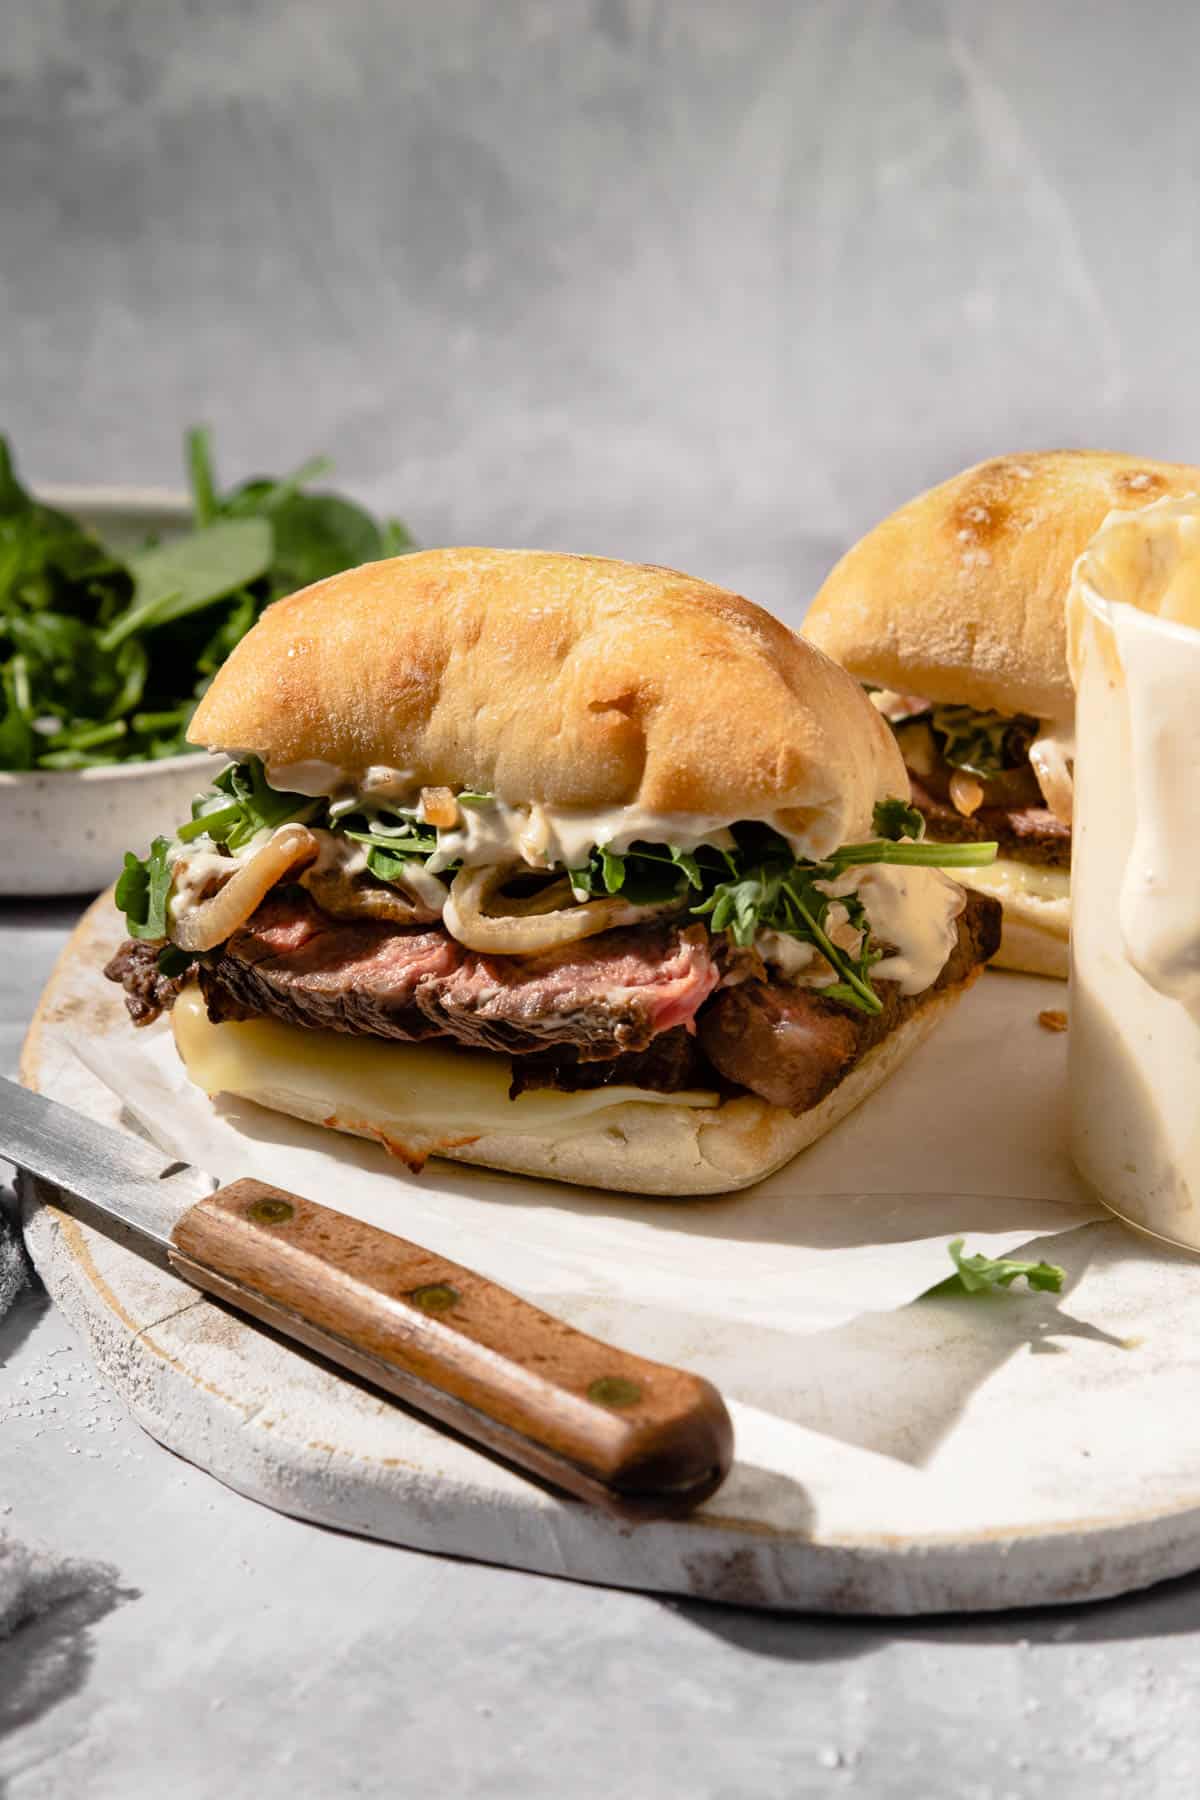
x=117 y=607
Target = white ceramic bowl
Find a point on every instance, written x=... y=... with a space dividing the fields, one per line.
x=64 y=831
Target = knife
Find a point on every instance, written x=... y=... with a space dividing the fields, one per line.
x=638 y=1438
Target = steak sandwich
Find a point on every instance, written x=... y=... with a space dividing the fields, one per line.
x=953 y=609
x=550 y=863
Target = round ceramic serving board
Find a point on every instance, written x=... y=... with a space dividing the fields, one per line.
x=951 y=1453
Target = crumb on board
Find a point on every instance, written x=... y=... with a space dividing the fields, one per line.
x=1052 y=1019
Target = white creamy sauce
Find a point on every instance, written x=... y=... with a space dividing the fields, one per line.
x=916 y=910
x=541 y=834
x=1143 y=570
x=913 y=909
x=559 y=837
x=1160 y=892
x=319 y=780
x=340 y=855
x=1134 y=1043
x=794 y=960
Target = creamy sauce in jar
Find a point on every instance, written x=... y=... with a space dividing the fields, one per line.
x=1134 y=1047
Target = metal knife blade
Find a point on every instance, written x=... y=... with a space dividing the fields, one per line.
x=642 y=1439
x=128 y=1187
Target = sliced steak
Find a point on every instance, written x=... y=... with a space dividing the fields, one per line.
x=673 y=1061
x=147 y=992
x=1029 y=833
x=605 y=996
x=791 y=1047
x=780 y=1040
x=293 y=961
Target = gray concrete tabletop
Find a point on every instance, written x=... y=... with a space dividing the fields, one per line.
x=713 y=283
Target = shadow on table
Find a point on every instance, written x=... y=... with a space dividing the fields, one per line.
x=1169 y=1609
x=28 y=1308
x=780 y=1210
x=48 y=1657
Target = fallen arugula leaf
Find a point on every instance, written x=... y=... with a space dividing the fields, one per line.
x=979 y=1273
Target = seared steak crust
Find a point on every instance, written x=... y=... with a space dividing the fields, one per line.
x=296 y=963
x=791 y=1047
x=606 y=996
x=147 y=993
x=673 y=1061
x=640 y=1006
x=1031 y=834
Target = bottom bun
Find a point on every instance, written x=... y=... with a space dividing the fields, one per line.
x=653 y=1144
x=1030 y=948
x=1037 y=914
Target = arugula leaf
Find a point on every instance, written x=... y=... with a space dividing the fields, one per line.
x=388 y=865
x=173 y=961
x=198 y=450
x=317 y=535
x=16 y=725
x=175 y=579
x=420 y=841
x=757 y=884
x=914 y=856
x=90 y=638
x=142 y=891
x=645 y=874
x=982 y=743
x=896 y=819
x=613 y=869
x=978 y=1273
x=259 y=807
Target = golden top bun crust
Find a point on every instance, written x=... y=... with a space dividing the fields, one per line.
x=959 y=596
x=575 y=681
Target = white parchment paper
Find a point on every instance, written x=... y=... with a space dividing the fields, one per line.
x=968 y=1139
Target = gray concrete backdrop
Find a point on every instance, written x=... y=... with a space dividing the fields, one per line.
x=712 y=282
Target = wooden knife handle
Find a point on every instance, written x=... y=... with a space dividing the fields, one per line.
x=639 y=1438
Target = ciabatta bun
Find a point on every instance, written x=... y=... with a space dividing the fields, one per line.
x=959 y=596
x=575 y=681
x=649 y=1146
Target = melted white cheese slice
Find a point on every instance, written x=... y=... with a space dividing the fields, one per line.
x=422 y=1087
x=1042 y=895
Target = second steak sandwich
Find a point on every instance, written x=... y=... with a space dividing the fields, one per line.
x=953 y=609
x=551 y=863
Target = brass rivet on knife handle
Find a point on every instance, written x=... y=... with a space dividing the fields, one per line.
x=638 y=1437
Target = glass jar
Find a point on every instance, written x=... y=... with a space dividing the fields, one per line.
x=1134 y=1046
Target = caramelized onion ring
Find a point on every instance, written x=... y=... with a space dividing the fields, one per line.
x=338 y=895
x=1048 y=760
x=205 y=926
x=966 y=791
x=524 y=932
